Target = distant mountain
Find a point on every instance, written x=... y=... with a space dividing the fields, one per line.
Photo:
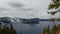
x=5 y=20
x=44 y=20
x=19 y=20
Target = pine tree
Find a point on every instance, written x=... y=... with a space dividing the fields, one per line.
x=55 y=4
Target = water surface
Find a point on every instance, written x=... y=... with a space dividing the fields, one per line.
x=33 y=28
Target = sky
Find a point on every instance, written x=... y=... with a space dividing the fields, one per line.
x=24 y=8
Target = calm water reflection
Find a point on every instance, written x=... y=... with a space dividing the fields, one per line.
x=33 y=28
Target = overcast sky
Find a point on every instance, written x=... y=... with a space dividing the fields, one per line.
x=24 y=8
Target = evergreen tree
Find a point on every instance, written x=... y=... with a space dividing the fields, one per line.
x=55 y=4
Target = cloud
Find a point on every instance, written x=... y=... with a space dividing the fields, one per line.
x=25 y=9
x=3 y=9
x=19 y=6
x=16 y=4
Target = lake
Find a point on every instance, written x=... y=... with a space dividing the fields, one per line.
x=33 y=28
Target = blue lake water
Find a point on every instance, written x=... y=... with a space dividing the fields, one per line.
x=33 y=28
